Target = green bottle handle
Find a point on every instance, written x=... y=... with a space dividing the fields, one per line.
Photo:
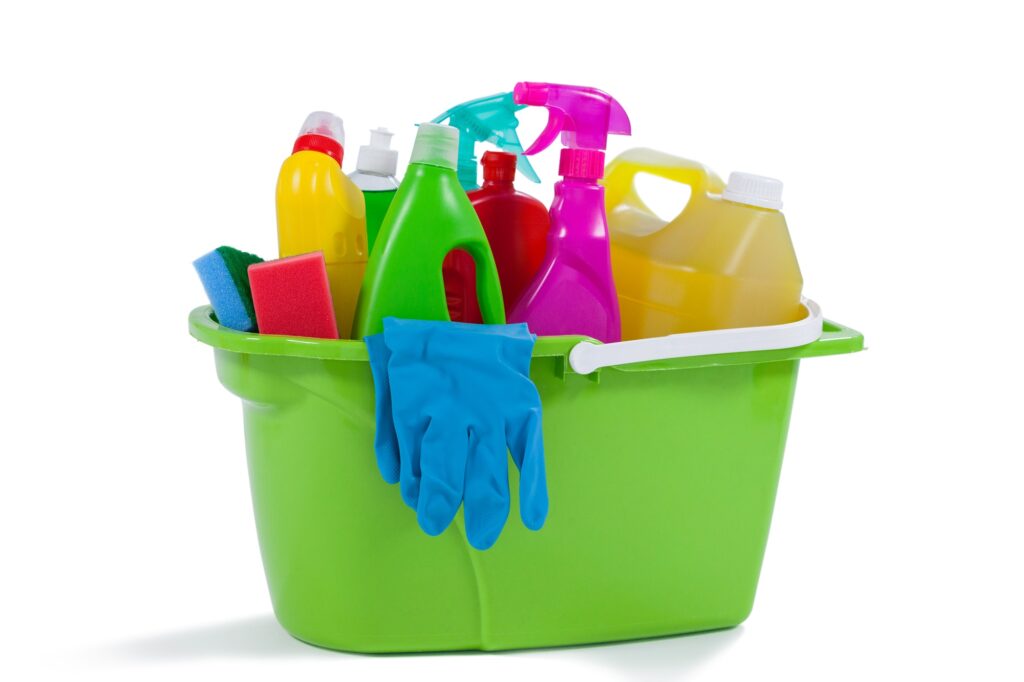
x=488 y=286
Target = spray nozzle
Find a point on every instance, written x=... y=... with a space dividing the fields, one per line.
x=584 y=117
x=487 y=119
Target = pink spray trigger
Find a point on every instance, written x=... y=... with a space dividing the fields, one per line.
x=618 y=121
x=557 y=122
x=584 y=116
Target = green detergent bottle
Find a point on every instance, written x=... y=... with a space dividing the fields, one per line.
x=429 y=217
x=376 y=166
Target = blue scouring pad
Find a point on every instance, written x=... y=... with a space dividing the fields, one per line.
x=224 y=273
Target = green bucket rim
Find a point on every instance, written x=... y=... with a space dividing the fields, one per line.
x=836 y=339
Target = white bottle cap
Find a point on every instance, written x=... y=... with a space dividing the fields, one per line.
x=378 y=157
x=324 y=123
x=754 y=190
x=436 y=145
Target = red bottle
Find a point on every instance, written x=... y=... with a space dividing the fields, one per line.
x=516 y=225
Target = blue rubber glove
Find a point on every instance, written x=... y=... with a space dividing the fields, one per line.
x=459 y=396
x=385 y=441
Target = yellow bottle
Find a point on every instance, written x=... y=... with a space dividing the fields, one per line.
x=320 y=209
x=725 y=261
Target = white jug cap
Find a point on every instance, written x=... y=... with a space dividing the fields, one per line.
x=754 y=190
x=378 y=157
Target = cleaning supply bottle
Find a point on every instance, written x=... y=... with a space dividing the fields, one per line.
x=725 y=261
x=516 y=225
x=486 y=119
x=376 y=166
x=320 y=209
x=574 y=292
x=430 y=216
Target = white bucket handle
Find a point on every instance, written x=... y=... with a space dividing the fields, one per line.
x=586 y=357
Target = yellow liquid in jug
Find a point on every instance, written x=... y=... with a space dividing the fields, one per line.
x=718 y=265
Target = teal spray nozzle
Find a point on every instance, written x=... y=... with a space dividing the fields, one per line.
x=487 y=119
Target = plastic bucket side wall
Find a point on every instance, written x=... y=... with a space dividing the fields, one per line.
x=346 y=564
x=661 y=483
x=662 y=487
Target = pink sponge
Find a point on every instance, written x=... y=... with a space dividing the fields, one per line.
x=292 y=296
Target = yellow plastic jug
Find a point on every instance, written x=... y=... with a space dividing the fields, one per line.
x=725 y=261
x=320 y=209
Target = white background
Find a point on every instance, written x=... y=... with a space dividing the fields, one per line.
x=135 y=137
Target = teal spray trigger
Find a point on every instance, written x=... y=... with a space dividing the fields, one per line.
x=487 y=119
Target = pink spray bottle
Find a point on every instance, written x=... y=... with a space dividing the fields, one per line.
x=573 y=292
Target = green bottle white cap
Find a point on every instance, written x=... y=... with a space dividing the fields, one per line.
x=377 y=157
x=754 y=190
x=436 y=145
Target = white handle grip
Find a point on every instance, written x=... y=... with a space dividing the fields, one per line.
x=585 y=357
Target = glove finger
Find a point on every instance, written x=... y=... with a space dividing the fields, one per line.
x=385 y=441
x=487 y=496
x=443 y=463
x=526 y=442
x=409 y=442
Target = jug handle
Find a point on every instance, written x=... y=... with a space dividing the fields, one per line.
x=620 y=176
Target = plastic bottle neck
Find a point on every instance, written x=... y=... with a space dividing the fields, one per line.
x=581 y=164
x=499 y=169
x=497 y=184
x=311 y=142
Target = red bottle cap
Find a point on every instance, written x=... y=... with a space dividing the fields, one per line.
x=499 y=166
x=311 y=142
x=587 y=164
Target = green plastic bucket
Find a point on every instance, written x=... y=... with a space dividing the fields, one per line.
x=662 y=477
